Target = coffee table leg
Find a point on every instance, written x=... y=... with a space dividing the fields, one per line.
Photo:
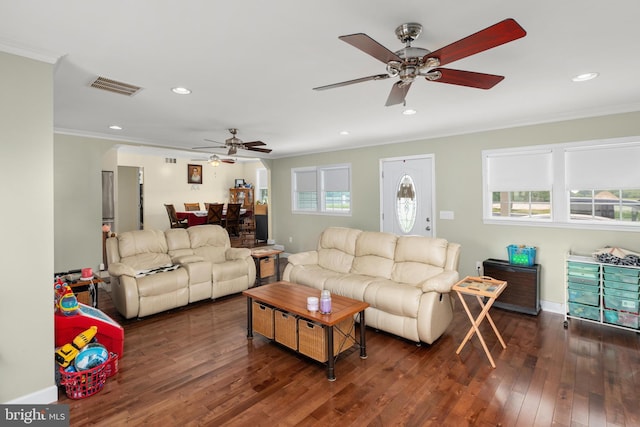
x=249 y=318
x=363 y=342
x=331 y=376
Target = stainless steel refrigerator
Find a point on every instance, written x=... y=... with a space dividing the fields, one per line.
x=108 y=208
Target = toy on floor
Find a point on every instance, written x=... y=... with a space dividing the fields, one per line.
x=68 y=352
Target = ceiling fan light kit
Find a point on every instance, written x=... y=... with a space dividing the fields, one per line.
x=411 y=62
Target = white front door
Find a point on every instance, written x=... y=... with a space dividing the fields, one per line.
x=407 y=195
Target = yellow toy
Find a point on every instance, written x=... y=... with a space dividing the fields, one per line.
x=68 y=352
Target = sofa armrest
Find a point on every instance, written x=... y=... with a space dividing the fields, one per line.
x=442 y=283
x=303 y=258
x=119 y=269
x=237 y=253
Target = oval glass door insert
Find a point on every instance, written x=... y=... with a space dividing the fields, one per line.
x=406 y=204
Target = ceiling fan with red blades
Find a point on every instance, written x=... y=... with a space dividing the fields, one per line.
x=234 y=143
x=411 y=62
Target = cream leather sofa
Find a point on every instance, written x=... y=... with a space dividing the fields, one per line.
x=153 y=271
x=406 y=280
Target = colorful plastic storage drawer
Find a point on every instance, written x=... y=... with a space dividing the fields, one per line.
x=584 y=280
x=623 y=319
x=622 y=294
x=630 y=287
x=622 y=270
x=620 y=278
x=622 y=304
x=583 y=286
x=587 y=271
x=584 y=311
x=588 y=298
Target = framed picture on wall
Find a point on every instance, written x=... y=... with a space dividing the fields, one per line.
x=239 y=183
x=194 y=174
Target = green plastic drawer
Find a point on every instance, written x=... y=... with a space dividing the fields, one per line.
x=615 y=317
x=587 y=271
x=621 y=293
x=573 y=265
x=616 y=277
x=625 y=271
x=589 y=286
x=584 y=311
x=621 y=304
x=584 y=297
x=630 y=287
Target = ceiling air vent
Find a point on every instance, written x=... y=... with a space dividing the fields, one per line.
x=115 y=86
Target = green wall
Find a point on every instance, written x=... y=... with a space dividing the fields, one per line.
x=458 y=186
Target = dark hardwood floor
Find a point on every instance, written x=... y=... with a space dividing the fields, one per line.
x=194 y=366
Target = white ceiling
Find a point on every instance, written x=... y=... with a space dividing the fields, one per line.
x=252 y=65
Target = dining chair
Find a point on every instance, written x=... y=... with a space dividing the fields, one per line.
x=214 y=213
x=173 y=218
x=192 y=206
x=232 y=221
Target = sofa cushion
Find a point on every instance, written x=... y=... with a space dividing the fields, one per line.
x=311 y=275
x=374 y=254
x=143 y=249
x=178 y=242
x=425 y=250
x=136 y=242
x=349 y=285
x=208 y=235
x=336 y=248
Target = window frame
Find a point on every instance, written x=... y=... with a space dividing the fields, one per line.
x=560 y=215
x=320 y=189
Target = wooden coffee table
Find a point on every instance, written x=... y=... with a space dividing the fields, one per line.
x=292 y=298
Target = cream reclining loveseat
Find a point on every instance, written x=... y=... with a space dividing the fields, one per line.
x=406 y=280
x=153 y=271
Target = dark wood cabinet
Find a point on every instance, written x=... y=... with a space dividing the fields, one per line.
x=523 y=285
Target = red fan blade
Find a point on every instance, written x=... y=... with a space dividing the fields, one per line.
x=398 y=93
x=495 y=35
x=467 y=78
x=370 y=47
x=350 y=82
x=261 y=150
x=253 y=143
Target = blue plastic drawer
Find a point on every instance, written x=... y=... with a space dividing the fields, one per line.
x=584 y=286
x=630 y=287
x=583 y=280
x=579 y=269
x=616 y=277
x=621 y=304
x=634 y=272
x=584 y=311
x=582 y=297
x=621 y=293
x=620 y=318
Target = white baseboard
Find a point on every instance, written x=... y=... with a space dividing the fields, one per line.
x=40 y=397
x=552 y=307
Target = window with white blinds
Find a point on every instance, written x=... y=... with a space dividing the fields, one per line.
x=322 y=189
x=594 y=184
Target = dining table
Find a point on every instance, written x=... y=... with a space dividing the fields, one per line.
x=200 y=217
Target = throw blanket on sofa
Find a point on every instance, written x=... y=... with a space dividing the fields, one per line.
x=168 y=267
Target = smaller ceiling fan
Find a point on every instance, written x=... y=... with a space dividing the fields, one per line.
x=215 y=160
x=411 y=62
x=234 y=143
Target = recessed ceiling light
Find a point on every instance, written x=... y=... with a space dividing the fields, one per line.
x=115 y=127
x=344 y=132
x=181 y=90
x=409 y=111
x=584 y=77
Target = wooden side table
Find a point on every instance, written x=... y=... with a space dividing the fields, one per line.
x=481 y=287
x=260 y=256
x=86 y=291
